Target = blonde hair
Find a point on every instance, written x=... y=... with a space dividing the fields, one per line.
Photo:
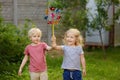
x=33 y=31
x=76 y=32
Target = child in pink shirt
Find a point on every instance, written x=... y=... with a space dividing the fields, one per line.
x=36 y=52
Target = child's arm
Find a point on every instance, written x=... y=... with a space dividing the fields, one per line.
x=25 y=59
x=49 y=48
x=83 y=64
x=54 y=45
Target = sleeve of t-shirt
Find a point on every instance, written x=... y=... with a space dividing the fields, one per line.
x=81 y=50
x=45 y=45
x=26 y=52
x=62 y=47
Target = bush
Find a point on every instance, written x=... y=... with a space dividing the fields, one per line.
x=12 y=42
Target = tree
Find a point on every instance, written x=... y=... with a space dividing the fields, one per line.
x=100 y=21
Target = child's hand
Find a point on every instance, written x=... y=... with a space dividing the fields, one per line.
x=53 y=39
x=84 y=72
x=20 y=72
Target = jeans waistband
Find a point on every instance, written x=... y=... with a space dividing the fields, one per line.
x=71 y=70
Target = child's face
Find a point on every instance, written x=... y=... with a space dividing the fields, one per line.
x=70 y=39
x=35 y=38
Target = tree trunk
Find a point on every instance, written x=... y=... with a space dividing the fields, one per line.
x=102 y=44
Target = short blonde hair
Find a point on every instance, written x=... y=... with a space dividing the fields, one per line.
x=76 y=32
x=33 y=31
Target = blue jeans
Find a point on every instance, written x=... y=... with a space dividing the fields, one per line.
x=72 y=75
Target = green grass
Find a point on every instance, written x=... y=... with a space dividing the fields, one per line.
x=97 y=67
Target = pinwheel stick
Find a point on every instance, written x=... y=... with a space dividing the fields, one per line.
x=53 y=29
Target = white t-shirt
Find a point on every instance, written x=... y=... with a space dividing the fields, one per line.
x=71 y=58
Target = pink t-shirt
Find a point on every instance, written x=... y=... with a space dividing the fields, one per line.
x=37 y=57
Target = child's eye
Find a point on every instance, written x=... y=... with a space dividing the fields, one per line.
x=38 y=36
x=34 y=36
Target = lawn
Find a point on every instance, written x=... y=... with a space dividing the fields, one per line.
x=97 y=67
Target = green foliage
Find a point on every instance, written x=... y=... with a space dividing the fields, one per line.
x=73 y=13
x=13 y=40
x=77 y=20
x=57 y=4
x=100 y=21
x=68 y=3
